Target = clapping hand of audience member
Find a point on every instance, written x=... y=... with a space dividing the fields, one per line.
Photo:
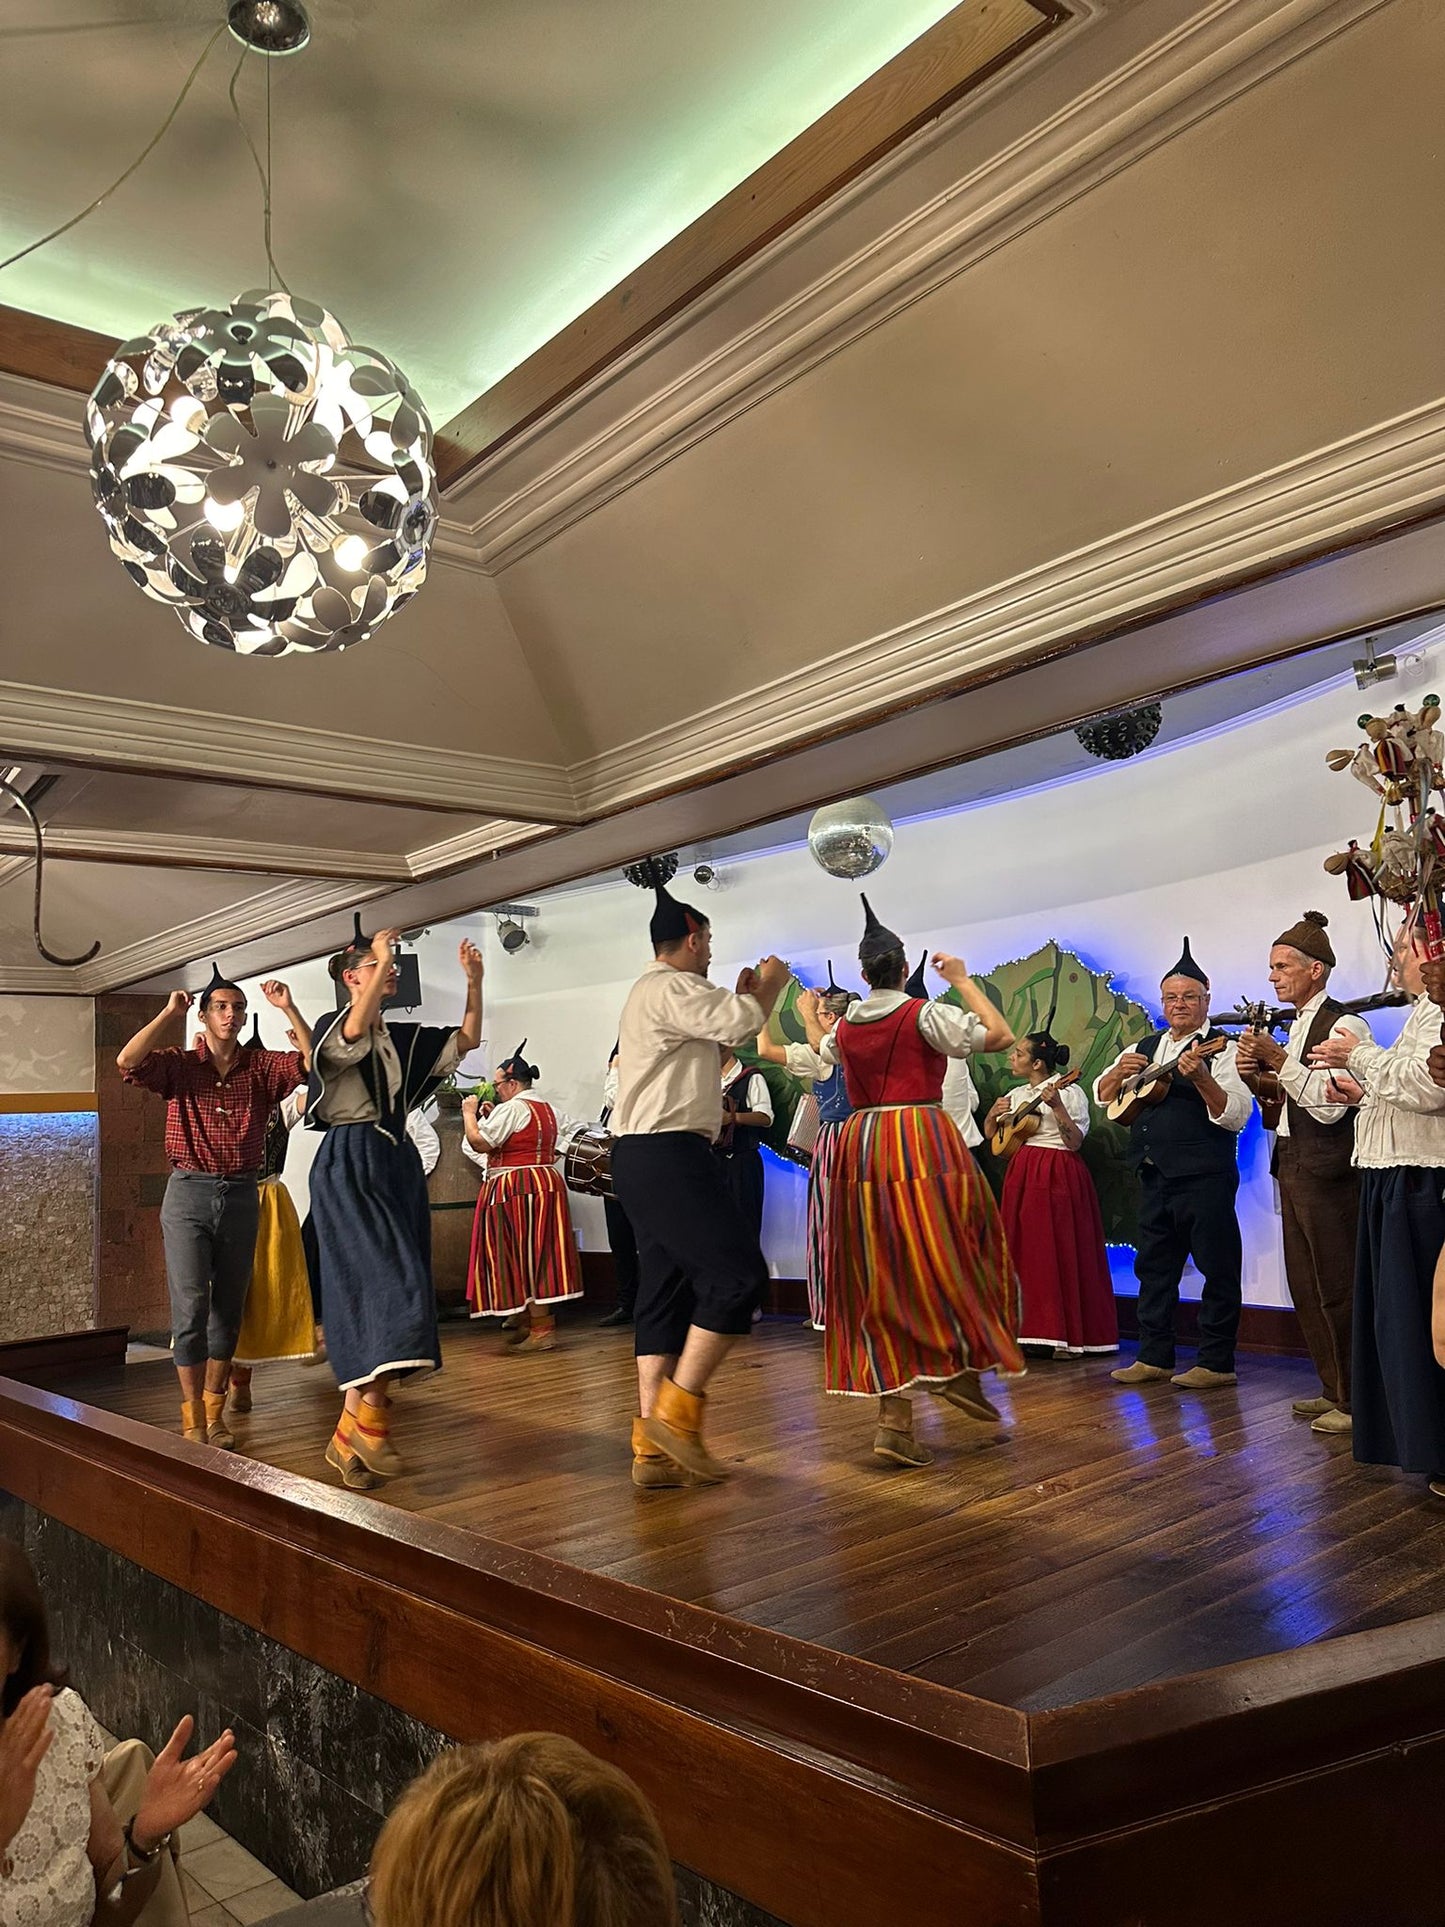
x=176 y=1789
x=24 y=1741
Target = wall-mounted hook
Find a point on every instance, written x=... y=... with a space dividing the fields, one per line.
x=63 y=963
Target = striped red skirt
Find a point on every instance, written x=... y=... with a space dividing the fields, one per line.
x=1056 y=1235
x=819 y=1169
x=523 y=1250
x=919 y=1283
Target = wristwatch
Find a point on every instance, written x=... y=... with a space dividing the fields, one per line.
x=137 y=1854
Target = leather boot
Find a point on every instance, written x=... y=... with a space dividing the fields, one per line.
x=651 y=1468
x=217 y=1431
x=193 y=1420
x=676 y=1429
x=354 y=1475
x=367 y=1435
x=240 y=1388
x=966 y=1393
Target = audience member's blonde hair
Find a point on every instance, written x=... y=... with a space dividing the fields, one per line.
x=532 y=1831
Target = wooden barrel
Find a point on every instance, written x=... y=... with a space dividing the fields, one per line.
x=452 y=1188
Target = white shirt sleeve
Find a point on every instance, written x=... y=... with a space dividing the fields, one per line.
x=293 y=1108
x=428 y=1144
x=696 y=1008
x=502 y=1121
x=1238 y=1098
x=760 y=1098
x=804 y=1062
x=955 y=1032
x=1077 y=1106
x=1307 y=1087
x=1398 y=1075
x=1109 y=1067
x=609 y=1087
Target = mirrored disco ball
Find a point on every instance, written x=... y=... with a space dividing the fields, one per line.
x=265 y=477
x=850 y=839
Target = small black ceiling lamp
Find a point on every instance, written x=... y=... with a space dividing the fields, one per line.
x=269 y=26
x=653 y=872
x=1128 y=734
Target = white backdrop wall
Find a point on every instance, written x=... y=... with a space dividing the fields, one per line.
x=1221 y=837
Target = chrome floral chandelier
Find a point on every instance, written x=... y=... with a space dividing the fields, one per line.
x=262 y=475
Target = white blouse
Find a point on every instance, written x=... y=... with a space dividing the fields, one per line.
x=505 y=1120
x=53 y=1884
x=1048 y=1137
x=1400 y=1118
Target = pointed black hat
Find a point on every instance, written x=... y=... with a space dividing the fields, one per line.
x=253 y=1042
x=218 y=982
x=517 y=1066
x=878 y=940
x=672 y=920
x=1186 y=967
x=916 y=987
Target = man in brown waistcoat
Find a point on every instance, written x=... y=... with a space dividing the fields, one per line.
x=1319 y=1190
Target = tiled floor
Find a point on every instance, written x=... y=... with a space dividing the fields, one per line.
x=222 y=1883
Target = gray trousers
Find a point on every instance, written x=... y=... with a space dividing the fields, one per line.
x=209 y=1228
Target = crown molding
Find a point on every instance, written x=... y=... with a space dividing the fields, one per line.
x=65 y=843
x=567 y=470
x=201 y=937
x=1391 y=474
x=114 y=732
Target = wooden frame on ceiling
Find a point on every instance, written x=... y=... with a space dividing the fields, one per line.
x=963 y=49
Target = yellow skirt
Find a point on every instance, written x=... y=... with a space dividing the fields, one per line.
x=278 y=1322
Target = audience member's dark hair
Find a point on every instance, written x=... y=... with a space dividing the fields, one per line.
x=532 y=1831
x=22 y=1618
x=1045 y=1049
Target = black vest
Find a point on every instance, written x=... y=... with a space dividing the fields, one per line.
x=1313 y=1149
x=1177 y=1135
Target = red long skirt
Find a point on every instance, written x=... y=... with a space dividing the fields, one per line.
x=1056 y=1238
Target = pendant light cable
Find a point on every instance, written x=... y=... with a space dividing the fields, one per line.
x=121 y=179
x=263 y=169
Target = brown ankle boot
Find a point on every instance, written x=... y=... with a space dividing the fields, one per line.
x=354 y=1474
x=240 y=1391
x=217 y=1431
x=193 y=1420
x=676 y=1429
x=367 y=1434
x=651 y=1468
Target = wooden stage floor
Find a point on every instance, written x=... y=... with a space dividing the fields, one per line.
x=1113 y=1538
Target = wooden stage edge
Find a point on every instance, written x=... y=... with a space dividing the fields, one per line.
x=828 y=1791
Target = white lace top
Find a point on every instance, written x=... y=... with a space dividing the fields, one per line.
x=52 y=1884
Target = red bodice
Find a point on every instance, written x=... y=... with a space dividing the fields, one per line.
x=890 y=1061
x=534 y=1143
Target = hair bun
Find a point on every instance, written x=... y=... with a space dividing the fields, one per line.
x=1316 y=916
x=1061 y=1055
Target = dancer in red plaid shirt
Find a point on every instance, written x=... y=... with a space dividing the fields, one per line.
x=218 y=1104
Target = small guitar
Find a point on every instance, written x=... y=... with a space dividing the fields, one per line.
x=1260 y=1018
x=1151 y=1085
x=1011 y=1133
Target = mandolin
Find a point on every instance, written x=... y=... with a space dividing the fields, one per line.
x=1013 y=1132
x=1151 y=1085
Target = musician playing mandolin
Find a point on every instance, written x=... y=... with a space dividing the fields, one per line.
x=1182 y=1144
x=1050 y=1207
x=1319 y=1189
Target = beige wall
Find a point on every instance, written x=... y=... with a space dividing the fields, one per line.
x=47 y=1045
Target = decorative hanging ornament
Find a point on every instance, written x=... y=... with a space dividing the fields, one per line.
x=267 y=478
x=850 y=839
x=1127 y=734
x=652 y=872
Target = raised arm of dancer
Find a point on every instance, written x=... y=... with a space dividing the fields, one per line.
x=278 y=995
x=770 y=1052
x=147 y=1039
x=469 y=1031
x=365 y=1012
x=954 y=971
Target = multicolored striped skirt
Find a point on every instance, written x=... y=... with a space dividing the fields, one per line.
x=824 y=1152
x=523 y=1250
x=919 y=1283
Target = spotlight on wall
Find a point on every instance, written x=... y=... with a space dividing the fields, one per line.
x=1370 y=668
x=511 y=925
x=707 y=876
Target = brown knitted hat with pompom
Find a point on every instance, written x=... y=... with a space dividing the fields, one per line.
x=1308 y=935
